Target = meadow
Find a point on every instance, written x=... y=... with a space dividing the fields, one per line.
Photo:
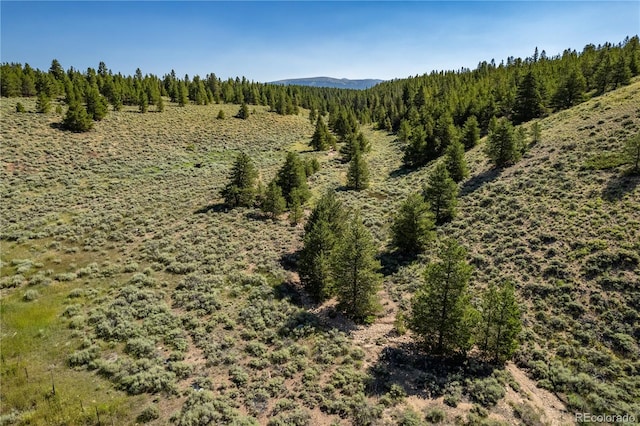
x=131 y=294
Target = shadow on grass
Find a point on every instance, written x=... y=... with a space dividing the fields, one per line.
x=424 y=375
x=620 y=185
x=393 y=260
x=479 y=180
x=216 y=208
x=401 y=171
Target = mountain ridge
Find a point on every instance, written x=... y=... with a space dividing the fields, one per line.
x=340 y=83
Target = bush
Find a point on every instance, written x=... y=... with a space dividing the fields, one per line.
x=30 y=295
x=20 y=107
x=149 y=414
x=486 y=391
x=435 y=415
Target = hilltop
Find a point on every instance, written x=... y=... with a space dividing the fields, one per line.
x=130 y=292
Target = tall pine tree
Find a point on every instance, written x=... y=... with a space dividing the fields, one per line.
x=441 y=193
x=441 y=314
x=355 y=275
x=413 y=226
x=241 y=189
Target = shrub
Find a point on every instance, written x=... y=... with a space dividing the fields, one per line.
x=486 y=391
x=435 y=415
x=30 y=295
x=20 y=107
x=149 y=414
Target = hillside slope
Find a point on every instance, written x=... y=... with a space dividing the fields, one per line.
x=130 y=292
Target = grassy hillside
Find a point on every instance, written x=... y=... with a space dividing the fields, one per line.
x=130 y=292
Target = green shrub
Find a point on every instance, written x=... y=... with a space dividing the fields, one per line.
x=435 y=415
x=149 y=414
x=30 y=295
x=486 y=391
x=20 y=107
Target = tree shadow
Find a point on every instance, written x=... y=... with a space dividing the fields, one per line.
x=424 y=375
x=474 y=183
x=289 y=261
x=393 y=260
x=620 y=185
x=401 y=171
x=57 y=126
x=216 y=208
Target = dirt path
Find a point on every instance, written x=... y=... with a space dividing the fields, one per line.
x=553 y=410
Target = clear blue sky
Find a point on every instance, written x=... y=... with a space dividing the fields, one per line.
x=267 y=41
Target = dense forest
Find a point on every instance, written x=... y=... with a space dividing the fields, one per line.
x=398 y=204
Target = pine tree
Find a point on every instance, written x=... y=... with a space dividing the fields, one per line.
x=529 y=102
x=292 y=177
x=571 y=90
x=354 y=142
x=143 y=102
x=470 y=132
x=77 y=119
x=536 y=133
x=324 y=226
x=500 y=322
x=159 y=104
x=358 y=173
x=441 y=314
x=404 y=132
x=97 y=105
x=415 y=151
x=354 y=272
x=322 y=140
x=182 y=94
x=241 y=189
x=243 y=112
x=502 y=143
x=274 y=203
x=413 y=226
x=295 y=211
x=455 y=161
x=441 y=193
x=621 y=72
x=43 y=103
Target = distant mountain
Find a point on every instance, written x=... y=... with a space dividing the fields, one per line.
x=341 y=83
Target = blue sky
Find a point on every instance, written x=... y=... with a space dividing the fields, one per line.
x=267 y=41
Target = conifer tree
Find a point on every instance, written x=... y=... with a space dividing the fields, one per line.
x=571 y=90
x=415 y=151
x=182 y=94
x=295 y=211
x=470 y=132
x=529 y=102
x=440 y=192
x=43 y=103
x=241 y=189
x=413 y=227
x=354 y=270
x=502 y=143
x=143 y=102
x=243 y=112
x=293 y=178
x=77 y=119
x=441 y=314
x=322 y=140
x=97 y=106
x=354 y=142
x=455 y=161
x=274 y=203
x=358 y=173
x=324 y=226
x=536 y=133
x=500 y=322
x=621 y=72
x=159 y=104
x=404 y=132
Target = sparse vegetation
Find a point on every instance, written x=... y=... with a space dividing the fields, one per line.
x=125 y=279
